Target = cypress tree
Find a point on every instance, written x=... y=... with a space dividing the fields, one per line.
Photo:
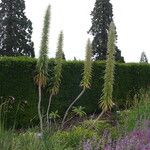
x=143 y=58
x=102 y=16
x=15 y=29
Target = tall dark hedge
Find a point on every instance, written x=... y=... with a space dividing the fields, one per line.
x=16 y=79
x=15 y=29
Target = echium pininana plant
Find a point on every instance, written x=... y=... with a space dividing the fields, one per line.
x=42 y=63
x=57 y=73
x=106 y=101
x=87 y=74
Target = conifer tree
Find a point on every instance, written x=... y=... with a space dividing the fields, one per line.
x=15 y=29
x=143 y=58
x=102 y=16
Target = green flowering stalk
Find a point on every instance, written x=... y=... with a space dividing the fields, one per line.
x=57 y=73
x=85 y=83
x=106 y=101
x=42 y=63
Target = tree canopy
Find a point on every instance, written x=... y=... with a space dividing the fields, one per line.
x=15 y=29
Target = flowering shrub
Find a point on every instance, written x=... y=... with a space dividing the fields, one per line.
x=95 y=144
x=138 y=139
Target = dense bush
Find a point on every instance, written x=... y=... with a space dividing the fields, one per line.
x=16 y=79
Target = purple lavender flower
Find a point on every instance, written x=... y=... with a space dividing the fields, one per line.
x=87 y=145
x=138 y=139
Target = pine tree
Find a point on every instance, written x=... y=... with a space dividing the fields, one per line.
x=15 y=29
x=143 y=58
x=102 y=16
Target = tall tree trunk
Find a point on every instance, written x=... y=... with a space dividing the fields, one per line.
x=39 y=109
x=66 y=113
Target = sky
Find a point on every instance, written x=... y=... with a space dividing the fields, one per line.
x=131 y=17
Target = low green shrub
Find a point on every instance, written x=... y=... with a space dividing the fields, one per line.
x=73 y=137
x=101 y=126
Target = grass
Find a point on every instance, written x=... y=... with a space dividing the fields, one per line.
x=139 y=112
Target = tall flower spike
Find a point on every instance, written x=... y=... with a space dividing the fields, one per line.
x=57 y=73
x=42 y=63
x=87 y=66
x=85 y=83
x=106 y=101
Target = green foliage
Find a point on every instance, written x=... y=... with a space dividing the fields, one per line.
x=61 y=140
x=6 y=139
x=106 y=101
x=73 y=137
x=16 y=79
x=23 y=141
x=102 y=16
x=139 y=112
x=54 y=115
x=79 y=111
x=15 y=30
x=100 y=127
